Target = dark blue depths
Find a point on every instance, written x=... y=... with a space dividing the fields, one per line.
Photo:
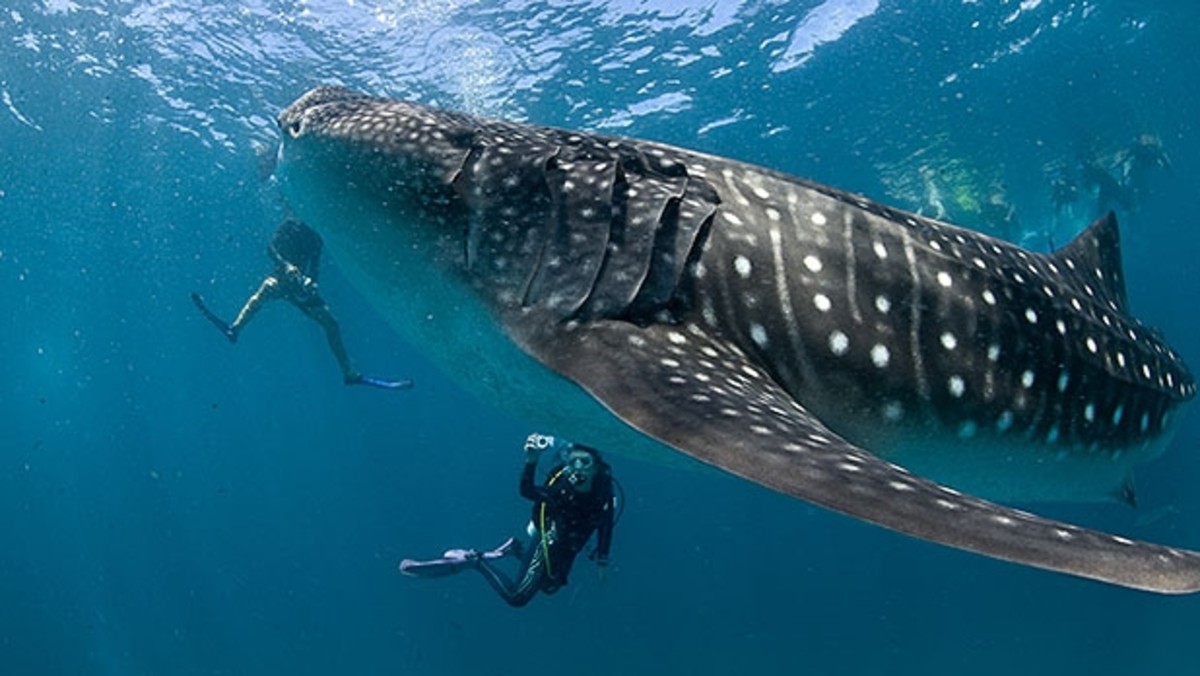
x=170 y=504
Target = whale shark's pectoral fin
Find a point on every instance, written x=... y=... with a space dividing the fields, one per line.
x=703 y=396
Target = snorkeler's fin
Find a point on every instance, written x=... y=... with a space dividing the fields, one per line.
x=454 y=561
x=217 y=321
x=360 y=379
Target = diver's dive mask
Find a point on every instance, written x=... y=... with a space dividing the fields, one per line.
x=579 y=465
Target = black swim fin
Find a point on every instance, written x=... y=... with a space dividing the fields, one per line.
x=359 y=379
x=217 y=321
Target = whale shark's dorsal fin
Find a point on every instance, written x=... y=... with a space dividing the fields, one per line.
x=1093 y=258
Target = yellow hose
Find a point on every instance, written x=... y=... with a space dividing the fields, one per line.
x=542 y=524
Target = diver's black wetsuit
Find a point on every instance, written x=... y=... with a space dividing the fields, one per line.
x=570 y=518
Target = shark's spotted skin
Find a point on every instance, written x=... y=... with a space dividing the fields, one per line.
x=804 y=338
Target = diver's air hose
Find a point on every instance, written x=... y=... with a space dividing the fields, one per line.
x=542 y=523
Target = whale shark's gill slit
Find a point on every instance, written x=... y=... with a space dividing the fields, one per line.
x=475 y=221
x=682 y=295
x=527 y=287
x=656 y=288
x=545 y=229
x=662 y=293
x=621 y=237
x=678 y=244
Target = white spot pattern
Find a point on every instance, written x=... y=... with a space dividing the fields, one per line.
x=880 y=355
x=957 y=386
x=839 y=343
x=758 y=334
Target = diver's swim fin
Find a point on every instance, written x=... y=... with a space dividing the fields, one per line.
x=217 y=321
x=359 y=379
x=454 y=561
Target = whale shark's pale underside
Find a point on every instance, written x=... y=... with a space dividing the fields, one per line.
x=631 y=295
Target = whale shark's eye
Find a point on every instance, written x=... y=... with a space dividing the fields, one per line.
x=294 y=128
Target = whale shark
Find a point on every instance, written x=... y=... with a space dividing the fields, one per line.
x=646 y=298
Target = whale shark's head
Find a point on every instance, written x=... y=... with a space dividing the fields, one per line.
x=357 y=155
x=453 y=195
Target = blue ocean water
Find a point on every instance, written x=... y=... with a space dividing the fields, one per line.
x=171 y=504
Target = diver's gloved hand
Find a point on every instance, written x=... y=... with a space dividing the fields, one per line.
x=536 y=443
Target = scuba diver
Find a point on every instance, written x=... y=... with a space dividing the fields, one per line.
x=576 y=500
x=296 y=250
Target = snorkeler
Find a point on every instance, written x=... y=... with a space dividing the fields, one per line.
x=1063 y=192
x=934 y=206
x=1135 y=163
x=296 y=250
x=1121 y=180
x=575 y=501
x=999 y=218
x=1110 y=194
x=1064 y=195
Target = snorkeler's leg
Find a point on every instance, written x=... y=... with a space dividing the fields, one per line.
x=267 y=291
x=319 y=311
